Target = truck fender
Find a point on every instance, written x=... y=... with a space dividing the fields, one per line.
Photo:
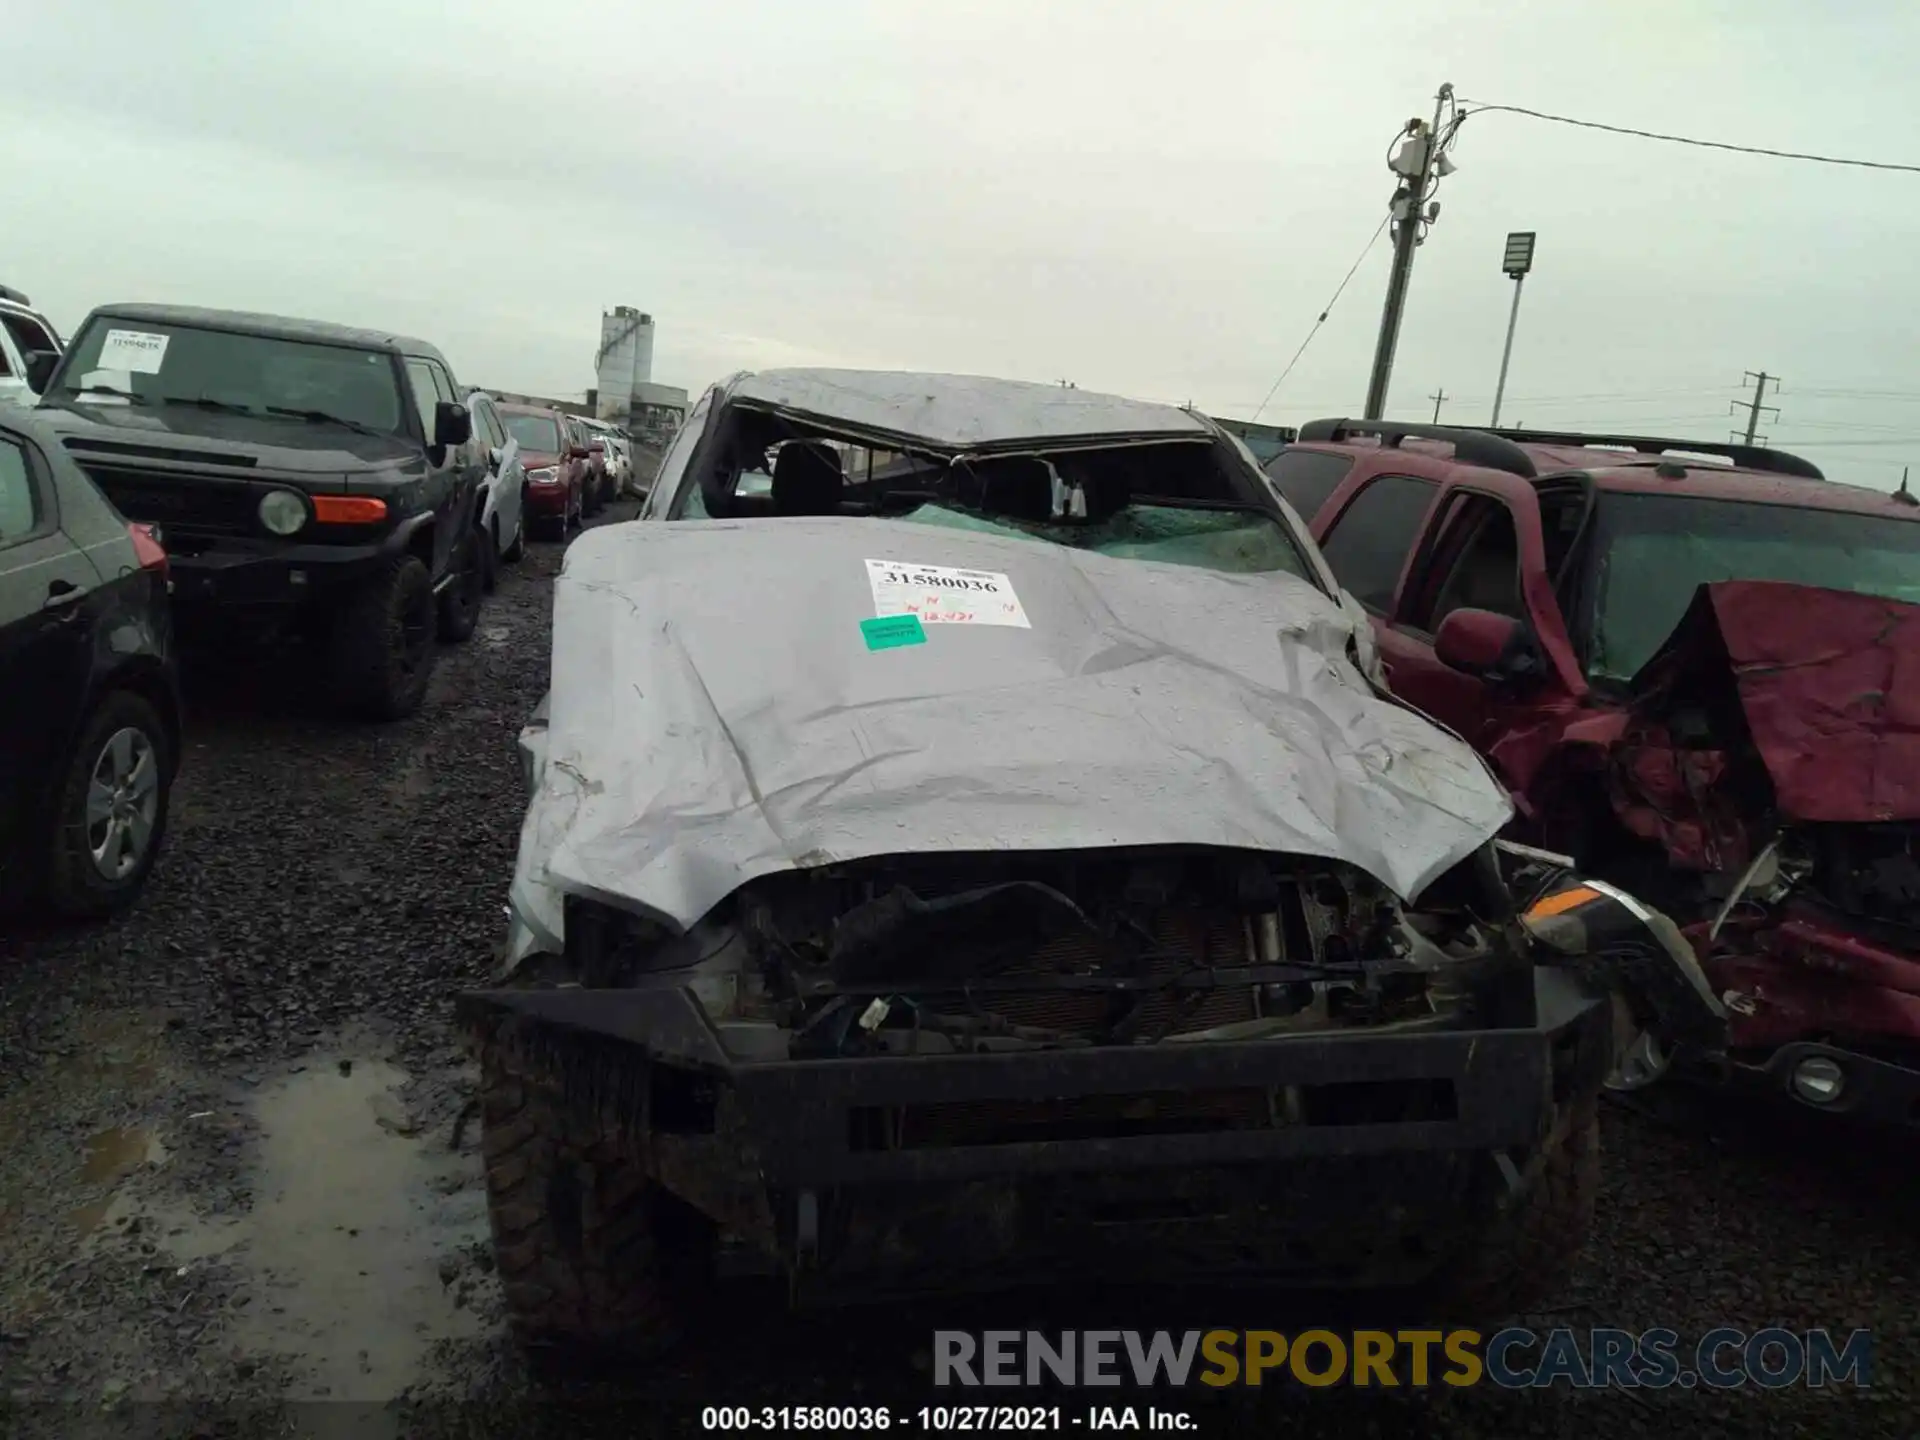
x=401 y=538
x=1619 y=945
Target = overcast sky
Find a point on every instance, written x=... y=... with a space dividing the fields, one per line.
x=1145 y=197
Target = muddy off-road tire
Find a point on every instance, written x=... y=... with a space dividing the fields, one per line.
x=381 y=643
x=594 y=1260
x=1526 y=1254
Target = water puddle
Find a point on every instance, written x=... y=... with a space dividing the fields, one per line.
x=112 y=1155
x=348 y=1228
x=355 y=1230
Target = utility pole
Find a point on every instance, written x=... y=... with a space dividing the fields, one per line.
x=1418 y=162
x=1753 y=407
x=1438 y=398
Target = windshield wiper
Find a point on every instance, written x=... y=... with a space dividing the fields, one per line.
x=129 y=396
x=208 y=402
x=323 y=417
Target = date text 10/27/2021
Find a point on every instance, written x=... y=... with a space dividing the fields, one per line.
x=942 y=1419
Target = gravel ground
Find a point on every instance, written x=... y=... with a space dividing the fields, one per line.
x=228 y=1189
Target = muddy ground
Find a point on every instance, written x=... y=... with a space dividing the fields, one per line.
x=230 y=1202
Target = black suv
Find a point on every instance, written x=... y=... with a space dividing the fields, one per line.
x=303 y=476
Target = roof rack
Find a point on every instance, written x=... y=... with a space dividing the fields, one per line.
x=1746 y=457
x=1476 y=447
x=7 y=292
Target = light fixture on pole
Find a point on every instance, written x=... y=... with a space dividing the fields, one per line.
x=1517 y=261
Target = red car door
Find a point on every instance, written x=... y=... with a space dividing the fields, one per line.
x=1484 y=551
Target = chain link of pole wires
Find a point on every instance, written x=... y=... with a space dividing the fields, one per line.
x=1478 y=108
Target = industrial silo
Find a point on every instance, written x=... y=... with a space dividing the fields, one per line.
x=624 y=362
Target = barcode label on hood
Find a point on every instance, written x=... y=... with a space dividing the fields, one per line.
x=940 y=595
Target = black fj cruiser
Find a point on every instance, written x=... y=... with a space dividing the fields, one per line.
x=304 y=476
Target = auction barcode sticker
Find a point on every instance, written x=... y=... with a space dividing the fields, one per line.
x=134 y=351
x=943 y=596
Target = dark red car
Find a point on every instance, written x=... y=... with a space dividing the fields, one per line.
x=1699 y=677
x=599 y=482
x=557 y=474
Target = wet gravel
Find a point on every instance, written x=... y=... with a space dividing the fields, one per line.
x=227 y=1188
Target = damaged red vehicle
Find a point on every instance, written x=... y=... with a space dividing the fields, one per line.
x=1699 y=678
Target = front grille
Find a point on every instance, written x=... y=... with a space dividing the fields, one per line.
x=957 y=1124
x=1183 y=939
x=178 y=501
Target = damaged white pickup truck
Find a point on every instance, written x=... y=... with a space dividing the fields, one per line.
x=969 y=843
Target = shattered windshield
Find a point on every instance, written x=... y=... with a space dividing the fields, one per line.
x=1236 y=541
x=1171 y=502
x=156 y=364
x=1656 y=550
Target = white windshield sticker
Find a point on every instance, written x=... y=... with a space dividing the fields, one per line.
x=942 y=596
x=133 y=350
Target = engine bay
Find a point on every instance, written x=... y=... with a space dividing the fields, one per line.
x=946 y=954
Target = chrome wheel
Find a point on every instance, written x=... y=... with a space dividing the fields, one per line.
x=1645 y=1061
x=123 y=801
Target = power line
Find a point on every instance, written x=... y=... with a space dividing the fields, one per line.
x=1829 y=444
x=1480 y=109
x=1352 y=270
x=1907 y=395
x=1644 y=397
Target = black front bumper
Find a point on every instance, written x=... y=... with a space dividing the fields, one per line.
x=812 y=1124
x=248 y=574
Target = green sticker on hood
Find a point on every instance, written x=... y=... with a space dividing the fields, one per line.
x=884 y=632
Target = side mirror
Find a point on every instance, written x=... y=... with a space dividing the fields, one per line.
x=597 y=448
x=495 y=456
x=452 y=423
x=1478 y=642
x=577 y=452
x=40 y=365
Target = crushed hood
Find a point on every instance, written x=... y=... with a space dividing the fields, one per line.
x=718 y=711
x=1825 y=682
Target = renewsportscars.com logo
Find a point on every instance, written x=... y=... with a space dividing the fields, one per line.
x=1512 y=1359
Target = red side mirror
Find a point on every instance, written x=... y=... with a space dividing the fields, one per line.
x=1476 y=642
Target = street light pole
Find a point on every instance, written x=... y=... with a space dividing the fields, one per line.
x=1418 y=163
x=1518 y=261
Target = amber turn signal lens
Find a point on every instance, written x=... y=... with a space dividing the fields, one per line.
x=348 y=510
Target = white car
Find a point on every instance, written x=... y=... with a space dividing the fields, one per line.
x=620 y=462
x=24 y=333
x=502 y=515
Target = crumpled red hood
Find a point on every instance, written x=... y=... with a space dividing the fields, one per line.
x=1826 y=681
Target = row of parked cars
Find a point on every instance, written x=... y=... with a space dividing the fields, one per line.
x=181 y=477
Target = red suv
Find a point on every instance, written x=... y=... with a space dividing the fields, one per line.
x=1698 y=677
x=555 y=498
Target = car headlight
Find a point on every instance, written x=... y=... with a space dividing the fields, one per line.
x=282 y=512
x=547 y=476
